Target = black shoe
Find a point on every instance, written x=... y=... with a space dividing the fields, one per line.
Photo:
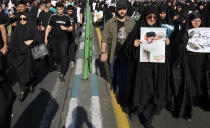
x=62 y=78
x=22 y=97
x=144 y=121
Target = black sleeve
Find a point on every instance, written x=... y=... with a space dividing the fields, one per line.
x=40 y=18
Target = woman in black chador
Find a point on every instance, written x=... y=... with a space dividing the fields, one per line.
x=24 y=37
x=150 y=91
x=190 y=73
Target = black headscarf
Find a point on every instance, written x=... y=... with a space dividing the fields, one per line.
x=149 y=10
x=192 y=16
x=23 y=33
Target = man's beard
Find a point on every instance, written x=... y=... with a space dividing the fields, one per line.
x=120 y=17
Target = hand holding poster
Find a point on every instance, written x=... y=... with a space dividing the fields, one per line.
x=199 y=40
x=153 y=47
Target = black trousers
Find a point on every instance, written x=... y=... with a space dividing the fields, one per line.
x=59 y=53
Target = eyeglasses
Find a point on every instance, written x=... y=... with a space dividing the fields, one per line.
x=24 y=19
x=150 y=17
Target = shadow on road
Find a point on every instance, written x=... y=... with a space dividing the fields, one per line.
x=80 y=117
x=34 y=113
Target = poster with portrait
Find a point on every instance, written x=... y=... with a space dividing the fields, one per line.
x=152 y=48
x=199 y=40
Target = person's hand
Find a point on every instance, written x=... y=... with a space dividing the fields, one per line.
x=175 y=17
x=4 y=50
x=63 y=28
x=137 y=43
x=167 y=41
x=46 y=41
x=42 y=28
x=103 y=57
x=14 y=24
x=28 y=42
x=71 y=28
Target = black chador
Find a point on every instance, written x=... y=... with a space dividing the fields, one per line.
x=22 y=54
x=191 y=77
x=151 y=88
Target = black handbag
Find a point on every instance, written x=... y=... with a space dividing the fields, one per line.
x=39 y=51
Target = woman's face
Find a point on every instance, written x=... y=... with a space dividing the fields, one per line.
x=23 y=19
x=151 y=19
x=201 y=7
x=196 y=23
x=162 y=15
x=179 y=8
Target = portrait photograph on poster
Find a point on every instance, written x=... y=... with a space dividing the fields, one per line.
x=152 y=48
x=199 y=40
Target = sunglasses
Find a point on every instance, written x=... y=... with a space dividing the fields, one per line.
x=150 y=17
x=24 y=19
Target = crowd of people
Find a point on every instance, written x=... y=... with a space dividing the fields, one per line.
x=142 y=88
x=27 y=27
x=145 y=88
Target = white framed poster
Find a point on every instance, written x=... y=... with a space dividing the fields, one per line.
x=199 y=40
x=152 y=48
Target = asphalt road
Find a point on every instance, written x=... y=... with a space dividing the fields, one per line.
x=43 y=107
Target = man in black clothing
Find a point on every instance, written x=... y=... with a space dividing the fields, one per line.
x=59 y=25
x=72 y=35
x=6 y=95
x=35 y=8
x=43 y=18
x=72 y=14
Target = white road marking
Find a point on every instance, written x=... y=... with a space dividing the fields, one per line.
x=72 y=114
x=82 y=46
x=79 y=67
x=96 y=112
